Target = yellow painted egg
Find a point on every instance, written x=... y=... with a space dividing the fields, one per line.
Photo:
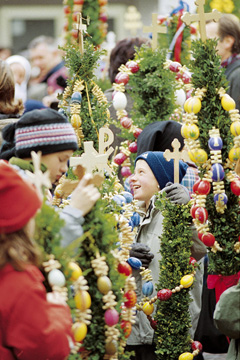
x=228 y=103
x=82 y=300
x=194 y=105
x=75 y=270
x=58 y=191
x=198 y=156
x=186 y=356
x=76 y=120
x=79 y=331
x=193 y=132
x=148 y=308
x=235 y=128
x=104 y=284
x=234 y=154
x=185 y=130
x=186 y=281
x=185 y=106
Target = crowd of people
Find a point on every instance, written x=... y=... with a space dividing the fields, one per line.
x=32 y=321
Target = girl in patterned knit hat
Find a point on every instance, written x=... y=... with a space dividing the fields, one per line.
x=34 y=325
x=50 y=132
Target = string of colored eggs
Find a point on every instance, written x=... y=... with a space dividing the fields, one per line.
x=215 y=172
x=82 y=313
x=120 y=103
x=146 y=305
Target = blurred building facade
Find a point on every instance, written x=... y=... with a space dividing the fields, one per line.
x=22 y=20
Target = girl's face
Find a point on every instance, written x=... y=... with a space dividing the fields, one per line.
x=57 y=164
x=143 y=182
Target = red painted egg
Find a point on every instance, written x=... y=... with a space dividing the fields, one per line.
x=196 y=345
x=175 y=66
x=201 y=214
x=204 y=187
x=208 y=239
x=133 y=147
x=133 y=66
x=122 y=78
x=164 y=294
x=120 y=158
x=137 y=132
x=124 y=268
x=235 y=187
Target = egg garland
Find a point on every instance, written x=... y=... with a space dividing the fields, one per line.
x=120 y=103
x=229 y=105
x=82 y=311
x=190 y=130
x=111 y=315
x=55 y=277
x=196 y=347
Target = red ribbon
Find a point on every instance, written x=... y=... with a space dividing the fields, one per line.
x=221 y=283
x=178 y=44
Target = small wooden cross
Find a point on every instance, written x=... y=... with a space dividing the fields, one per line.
x=176 y=155
x=201 y=17
x=81 y=28
x=155 y=29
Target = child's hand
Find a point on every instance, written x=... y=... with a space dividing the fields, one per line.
x=84 y=196
x=177 y=193
x=142 y=252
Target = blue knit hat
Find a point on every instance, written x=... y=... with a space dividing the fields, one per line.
x=162 y=169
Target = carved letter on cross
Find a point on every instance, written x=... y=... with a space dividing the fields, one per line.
x=201 y=17
x=155 y=29
x=176 y=155
x=91 y=160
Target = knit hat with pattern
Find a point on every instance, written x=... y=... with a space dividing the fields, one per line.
x=39 y=130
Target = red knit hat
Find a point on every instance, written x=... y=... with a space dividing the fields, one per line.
x=19 y=200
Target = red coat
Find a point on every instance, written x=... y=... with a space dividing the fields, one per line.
x=30 y=327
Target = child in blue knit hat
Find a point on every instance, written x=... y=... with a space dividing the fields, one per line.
x=153 y=174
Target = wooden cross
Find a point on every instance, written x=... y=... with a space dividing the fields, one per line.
x=80 y=27
x=176 y=155
x=91 y=159
x=155 y=29
x=201 y=17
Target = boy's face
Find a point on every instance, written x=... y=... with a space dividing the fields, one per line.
x=57 y=163
x=143 y=182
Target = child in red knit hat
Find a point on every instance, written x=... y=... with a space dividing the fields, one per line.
x=31 y=327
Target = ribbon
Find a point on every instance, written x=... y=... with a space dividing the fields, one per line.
x=180 y=8
x=178 y=45
x=221 y=283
